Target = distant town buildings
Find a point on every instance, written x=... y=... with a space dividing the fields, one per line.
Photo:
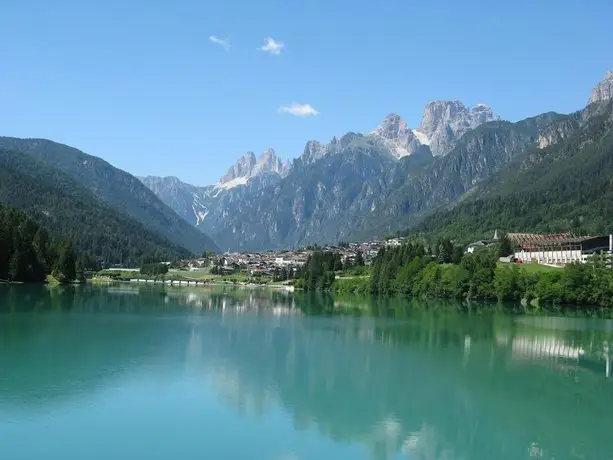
x=266 y=263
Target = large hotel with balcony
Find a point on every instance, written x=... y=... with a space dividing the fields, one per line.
x=558 y=249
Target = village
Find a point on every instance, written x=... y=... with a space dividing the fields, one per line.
x=269 y=263
x=555 y=250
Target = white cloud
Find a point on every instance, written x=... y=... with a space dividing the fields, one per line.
x=223 y=42
x=299 y=110
x=273 y=47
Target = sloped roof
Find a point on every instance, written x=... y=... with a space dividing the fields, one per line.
x=532 y=239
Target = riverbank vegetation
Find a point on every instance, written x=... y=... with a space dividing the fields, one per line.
x=413 y=270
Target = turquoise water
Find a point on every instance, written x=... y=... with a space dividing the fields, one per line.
x=129 y=373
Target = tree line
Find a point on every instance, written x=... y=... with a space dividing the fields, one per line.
x=66 y=208
x=479 y=276
x=28 y=254
x=446 y=271
x=319 y=271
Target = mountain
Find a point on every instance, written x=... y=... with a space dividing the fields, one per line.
x=315 y=202
x=410 y=191
x=195 y=204
x=363 y=186
x=329 y=191
x=442 y=125
x=68 y=209
x=445 y=122
x=603 y=91
x=116 y=187
x=250 y=206
x=184 y=199
x=248 y=166
x=564 y=186
x=362 y=190
x=398 y=137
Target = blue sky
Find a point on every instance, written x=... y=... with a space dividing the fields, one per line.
x=142 y=84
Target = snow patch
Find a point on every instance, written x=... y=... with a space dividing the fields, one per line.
x=421 y=137
x=200 y=216
x=232 y=183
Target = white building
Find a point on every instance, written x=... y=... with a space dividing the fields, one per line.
x=558 y=249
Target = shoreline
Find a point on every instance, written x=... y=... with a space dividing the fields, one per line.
x=193 y=283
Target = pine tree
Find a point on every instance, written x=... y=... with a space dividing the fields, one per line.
x=506 y=248
x=359 y=259
x=66 y=264
x=458 y=253
x=445 y=252
x=40 y=246
x=5 y=252
x=16 y=266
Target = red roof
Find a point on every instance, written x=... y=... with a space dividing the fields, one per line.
x=531 y=240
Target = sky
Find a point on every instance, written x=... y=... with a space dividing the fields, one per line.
x=186 y=87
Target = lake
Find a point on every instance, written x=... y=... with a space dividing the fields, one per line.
x=122 y=372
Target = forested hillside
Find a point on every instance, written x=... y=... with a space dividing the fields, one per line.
x=29 y=254
x=566 y=186
x=69 y=210
x=118 y=188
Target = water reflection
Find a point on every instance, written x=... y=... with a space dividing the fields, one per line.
x=397 y=380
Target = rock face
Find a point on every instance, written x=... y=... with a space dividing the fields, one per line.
x=397 y=136
x=556 y=133
x=603 y=91
x=445 y=122
x=249 y=166
x=242 y=168
x=186 y=200
x=313 y=151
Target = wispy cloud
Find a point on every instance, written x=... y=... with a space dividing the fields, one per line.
x=273 y=47
x=299 y=110
x=223 y=42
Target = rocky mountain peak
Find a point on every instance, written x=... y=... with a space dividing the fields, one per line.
x=267 y=162
x=392 y=127
x=481 y=113
x=249 y=166
x=241 y=168
x=603 y=91
x=437 y=113
x=313 y=151
x=445 y=122
x=395 y=133
x=345 y=140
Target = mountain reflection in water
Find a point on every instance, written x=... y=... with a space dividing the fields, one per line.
x=393 y=379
